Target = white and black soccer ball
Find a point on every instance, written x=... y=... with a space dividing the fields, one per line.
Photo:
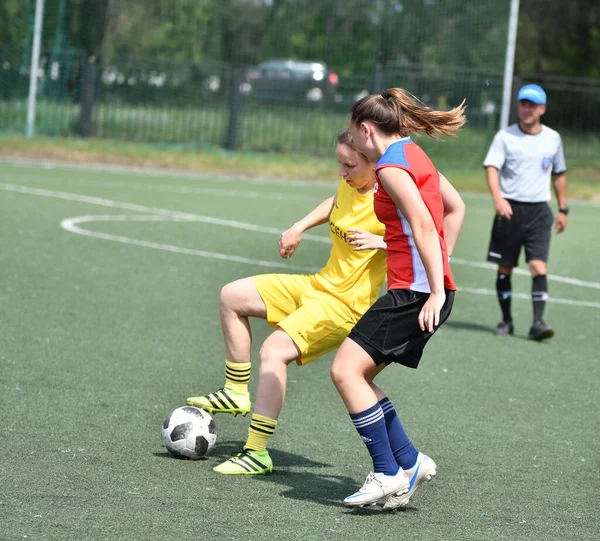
x=189 y=432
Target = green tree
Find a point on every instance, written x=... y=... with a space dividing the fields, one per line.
x=161 y=29
x=559 y=38
x=14 y=22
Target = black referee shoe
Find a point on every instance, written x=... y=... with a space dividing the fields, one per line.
x=540 y=331
x=504 y=328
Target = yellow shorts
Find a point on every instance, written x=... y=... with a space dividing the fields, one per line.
x=316 y=321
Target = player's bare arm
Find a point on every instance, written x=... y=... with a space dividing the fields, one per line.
x=501 y=205
x=560 y=189
x=290 y=238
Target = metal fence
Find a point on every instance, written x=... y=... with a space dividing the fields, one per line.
x=282 y=106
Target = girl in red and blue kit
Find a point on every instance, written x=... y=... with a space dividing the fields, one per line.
x=408 y=200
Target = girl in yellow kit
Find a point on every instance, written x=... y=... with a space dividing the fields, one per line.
x=312 y=314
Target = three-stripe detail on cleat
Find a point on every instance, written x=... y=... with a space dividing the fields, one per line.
x=221 y=400
x=248 y=463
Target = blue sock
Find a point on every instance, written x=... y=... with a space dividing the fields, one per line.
x=403 y=449
x=370 y=424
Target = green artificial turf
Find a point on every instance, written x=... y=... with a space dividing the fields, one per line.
x=101 y=337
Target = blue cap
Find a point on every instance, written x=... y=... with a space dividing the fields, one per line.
x=534 y=93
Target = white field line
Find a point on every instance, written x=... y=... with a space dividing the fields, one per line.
x=210 y=176
x=70 y=224
x=194 y=190
x=142 y=208
x=167 y=215
x=554 y=277
x=247 y=194
x=478 y=291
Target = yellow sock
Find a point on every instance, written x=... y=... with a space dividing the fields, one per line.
x=237 y=376
x=260 y=432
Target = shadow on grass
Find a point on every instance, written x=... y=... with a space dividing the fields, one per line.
x=376 y=510
x=321 y=488
x=226 y=449
x=163 y=454
x=166 y=454
x=469 y=326
x=292 y=472
x=303 y=485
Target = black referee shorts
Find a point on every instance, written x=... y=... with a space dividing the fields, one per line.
x=389 y=331
x=530 y=226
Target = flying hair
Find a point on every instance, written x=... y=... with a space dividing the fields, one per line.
x=397 y=111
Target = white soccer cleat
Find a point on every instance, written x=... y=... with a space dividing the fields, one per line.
x=423 y=470
x=378 y=486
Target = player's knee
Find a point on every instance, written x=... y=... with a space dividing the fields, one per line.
x=227 y=293
x=270 y=355
x=339 y=374
x=230 y=296
x=267 y=354
x=537 y=267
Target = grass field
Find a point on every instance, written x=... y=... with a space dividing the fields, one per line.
x=109 y=295
x=462 y=167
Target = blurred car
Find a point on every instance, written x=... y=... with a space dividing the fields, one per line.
x=292 y=80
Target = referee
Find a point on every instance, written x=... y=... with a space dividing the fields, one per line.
x=519 y=165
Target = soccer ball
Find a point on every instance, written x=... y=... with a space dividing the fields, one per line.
x=189 y=432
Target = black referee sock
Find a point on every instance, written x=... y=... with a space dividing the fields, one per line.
x=539 y=296
x=504 y=290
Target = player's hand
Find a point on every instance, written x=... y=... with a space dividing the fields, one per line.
x=288 y=242
x=503 y=208
x=429 y=317
x=561 y=222
x=363 y=240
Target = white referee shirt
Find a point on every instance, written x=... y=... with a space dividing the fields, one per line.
x=526 y=162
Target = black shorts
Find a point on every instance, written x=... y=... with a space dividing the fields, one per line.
x=389 y=331
x=530 y=226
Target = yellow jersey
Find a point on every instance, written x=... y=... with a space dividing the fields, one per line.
x=353 y=277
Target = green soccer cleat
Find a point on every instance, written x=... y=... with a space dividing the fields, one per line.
x=247 y=462
x=222 y=401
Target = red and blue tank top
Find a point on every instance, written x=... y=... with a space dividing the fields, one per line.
x=405 y=270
